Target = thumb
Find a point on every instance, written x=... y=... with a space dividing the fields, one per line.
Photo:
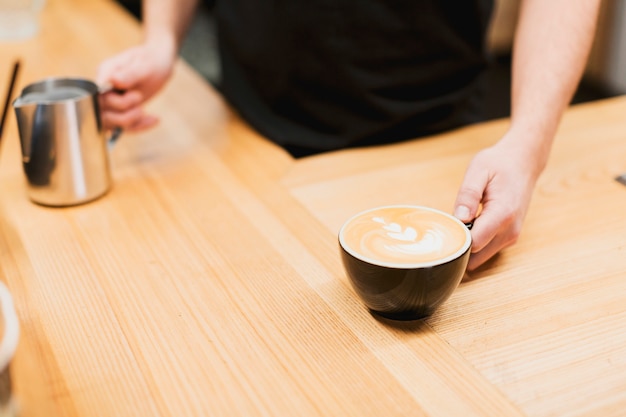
x=105 y=72
x=125 y=79
x=119 y=73
x=470 y=196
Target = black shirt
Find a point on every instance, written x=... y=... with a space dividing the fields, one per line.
x=318 y=75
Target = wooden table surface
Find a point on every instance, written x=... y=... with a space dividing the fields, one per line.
x=208 y=281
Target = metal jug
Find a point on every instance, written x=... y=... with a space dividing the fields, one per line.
x=64 y=146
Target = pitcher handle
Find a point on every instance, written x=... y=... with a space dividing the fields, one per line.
x=116 y=132
x=115 y=135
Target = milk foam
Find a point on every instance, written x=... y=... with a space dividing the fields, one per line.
x=404 y=235
x=429 y=241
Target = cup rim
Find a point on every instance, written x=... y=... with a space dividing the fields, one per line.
x=10 y=336
x=459 y=253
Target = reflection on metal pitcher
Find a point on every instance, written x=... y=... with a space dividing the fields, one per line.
x=64 y=148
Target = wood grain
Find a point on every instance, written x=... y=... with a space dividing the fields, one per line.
x=542 y=321
x=208 y=281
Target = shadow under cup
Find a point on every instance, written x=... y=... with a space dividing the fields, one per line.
x=404 y=261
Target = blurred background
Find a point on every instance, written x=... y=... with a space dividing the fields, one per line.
x=604 y=77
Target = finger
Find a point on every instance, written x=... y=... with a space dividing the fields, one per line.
x=125 y=120
x=146 y=122
x=491 y=249
x=470 y=194
x=123 y=72
x=121 y=102
x=130 y=123
x=130 y=76
x=109 y=68
x=479 y=258
x=105 y=70
x=492 y=220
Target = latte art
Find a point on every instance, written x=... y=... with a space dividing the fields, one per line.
x=404 y=235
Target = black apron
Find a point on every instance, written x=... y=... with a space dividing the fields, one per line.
x=318 y=75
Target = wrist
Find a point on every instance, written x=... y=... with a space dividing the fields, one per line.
x=532 y=145
x=163 y=41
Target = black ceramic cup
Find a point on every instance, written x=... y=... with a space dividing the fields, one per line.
x=404 y=261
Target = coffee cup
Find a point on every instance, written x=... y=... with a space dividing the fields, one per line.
x=404 y=261
x=9 y=337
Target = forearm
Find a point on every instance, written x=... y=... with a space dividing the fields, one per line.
x=551 y=48
x=166 y=22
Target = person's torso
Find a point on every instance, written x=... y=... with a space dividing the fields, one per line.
x=330 y=73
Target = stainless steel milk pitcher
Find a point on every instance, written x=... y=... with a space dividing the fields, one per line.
x=65 y=151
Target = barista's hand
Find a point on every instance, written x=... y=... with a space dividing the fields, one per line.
x=498 y=186
x=135 y=75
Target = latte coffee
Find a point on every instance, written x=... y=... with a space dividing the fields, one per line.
x=404 y=236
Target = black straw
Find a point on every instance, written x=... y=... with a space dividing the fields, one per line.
x=7 y=102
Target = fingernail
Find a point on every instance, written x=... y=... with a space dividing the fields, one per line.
x=462 y=213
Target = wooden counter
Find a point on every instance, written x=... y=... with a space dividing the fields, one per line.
x=208 y=281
